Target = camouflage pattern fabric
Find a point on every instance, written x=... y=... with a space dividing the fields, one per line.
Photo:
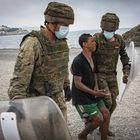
x=41 y=68
x=59 y=13
x=109 y=82
x=107 y=58
x=60 y=101
x=110 y=22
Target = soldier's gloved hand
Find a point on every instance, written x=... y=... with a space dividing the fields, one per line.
x=67 y=92
x=125 y=78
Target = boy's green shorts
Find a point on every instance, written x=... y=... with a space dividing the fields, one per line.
x=90 y=110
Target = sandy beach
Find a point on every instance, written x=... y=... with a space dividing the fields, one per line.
x=125 y=121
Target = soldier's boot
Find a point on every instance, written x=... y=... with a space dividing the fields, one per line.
x=83 y=135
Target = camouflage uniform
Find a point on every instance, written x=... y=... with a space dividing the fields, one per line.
x=107 y=58
x=41 y=67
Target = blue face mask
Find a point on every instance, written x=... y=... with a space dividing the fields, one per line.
x=108 y=35
x=62 y=33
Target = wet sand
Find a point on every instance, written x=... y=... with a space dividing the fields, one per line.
x=125 y=121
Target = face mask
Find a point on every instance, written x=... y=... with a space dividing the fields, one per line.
x=108 y=35
x=62 y=33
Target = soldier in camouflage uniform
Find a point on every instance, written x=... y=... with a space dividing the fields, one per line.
x=42 y=63
x=109 y=47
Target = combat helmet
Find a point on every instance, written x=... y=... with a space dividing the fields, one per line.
x=59 y=13
x=110 y=22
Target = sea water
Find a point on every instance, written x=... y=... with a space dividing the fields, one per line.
x=13 y=41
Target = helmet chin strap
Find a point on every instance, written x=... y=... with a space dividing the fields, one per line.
x=51 y=29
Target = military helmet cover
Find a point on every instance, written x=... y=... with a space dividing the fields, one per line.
x=59 y=12
x=110 y=22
